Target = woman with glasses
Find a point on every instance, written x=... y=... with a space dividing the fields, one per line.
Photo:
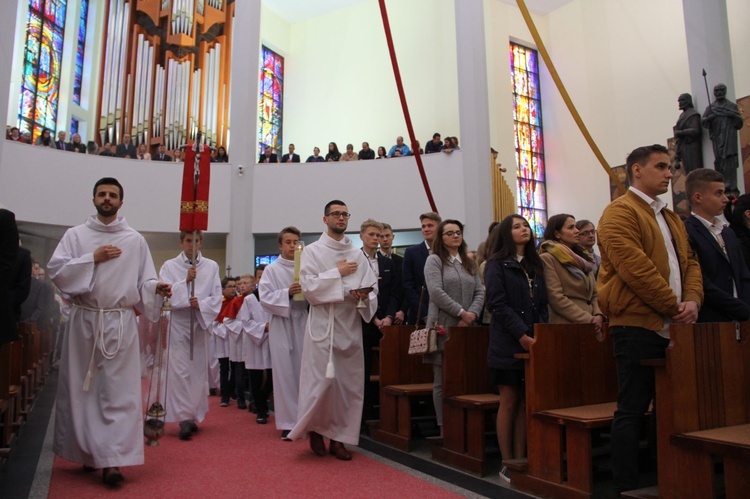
x=569 y=275
x=456 y=295
x=587 y=240
x=517 y=299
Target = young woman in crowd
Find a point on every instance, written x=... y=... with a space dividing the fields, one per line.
x=456 y=295
x=221 y=155
x=333 y=152
x=45 y=139
x=569 y=273
x=143 y=153
x=382 y=154
x=517 y=299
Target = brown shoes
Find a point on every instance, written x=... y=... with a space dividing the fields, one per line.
x=112 y=476
x=317 y=444
x=337 y=449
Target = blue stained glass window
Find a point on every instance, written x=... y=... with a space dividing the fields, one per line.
x=40 y=83
x=528 y=137
x=265 y=259
x=271 y=100
x=80 y=51
x=73 y=126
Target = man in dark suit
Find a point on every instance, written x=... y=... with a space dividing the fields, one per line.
x=60 y=143
x=8 y=266
x=413 y=269
x=370 y=231
x=126 y=149
x=268 y=156
x=386 y=251
x=161 y=155
x=291 y=157
x=726 y=279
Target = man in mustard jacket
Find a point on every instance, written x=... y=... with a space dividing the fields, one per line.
x=649 y=278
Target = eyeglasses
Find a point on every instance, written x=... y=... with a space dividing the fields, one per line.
x=339 y=214
x=453 y=233
x=587 y=233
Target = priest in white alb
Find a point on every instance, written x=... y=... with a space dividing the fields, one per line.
x=286 y=333
x=196 y=292
x=106 y=269
x=341 y=287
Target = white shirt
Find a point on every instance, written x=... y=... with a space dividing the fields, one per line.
x=675 y=278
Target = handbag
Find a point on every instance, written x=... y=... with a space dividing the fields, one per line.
x=422 y=341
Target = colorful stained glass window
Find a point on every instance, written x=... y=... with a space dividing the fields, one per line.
x=40 y=85
x=529 y=142
x=271 y=100
x=80 y=51
x=73 y=126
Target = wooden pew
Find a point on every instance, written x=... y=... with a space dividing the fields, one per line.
x=703 y=411
x=468 y=401
x=404 y=380
x=18 y=384
x=6 y=402
x=571 y=389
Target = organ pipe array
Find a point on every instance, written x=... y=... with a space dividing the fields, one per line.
x=171 y=85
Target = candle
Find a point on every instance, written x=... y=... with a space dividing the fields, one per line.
x=297 y=258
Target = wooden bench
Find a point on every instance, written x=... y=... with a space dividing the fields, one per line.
x=468 y=402
x=571 y=389
x=703 y=411
x=404 y=381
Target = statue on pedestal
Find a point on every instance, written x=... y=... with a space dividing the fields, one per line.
x=722 y=118
x=688 y=132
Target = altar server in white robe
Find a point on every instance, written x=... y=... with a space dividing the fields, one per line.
x=332 y=374
x=252 y=324
x=287 y=329
x=220 y=339
x=236 y=340
x=187 y=385
x=106 y=270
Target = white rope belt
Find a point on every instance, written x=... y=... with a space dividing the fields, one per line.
x=99 y=338
x=329 y=333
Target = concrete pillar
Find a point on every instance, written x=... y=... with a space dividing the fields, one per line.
x=7 y=44
x=708 y=46
x=244 y=103
x=473 y=111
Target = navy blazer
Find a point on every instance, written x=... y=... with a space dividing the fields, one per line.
x=514 y=313
x=285 y=158
x=412 y=274
x=719 y=273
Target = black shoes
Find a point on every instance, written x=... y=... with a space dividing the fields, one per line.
x=186 y=429
x=112 y=476
x=285 y=435
x=262 y=419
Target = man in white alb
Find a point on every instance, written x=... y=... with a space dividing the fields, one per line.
x=332 y=373
x=106 y=269
x=287 y=329
x=187 y=389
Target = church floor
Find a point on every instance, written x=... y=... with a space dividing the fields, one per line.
x=231 y=454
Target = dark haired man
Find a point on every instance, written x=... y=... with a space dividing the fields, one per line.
x=649 y=278
x=433 y=145
x=286 y=333
x=333 y=275
x=413 y=270
x=290 y=157
x=726 y=279
x=196 y=292
x=99 y=418
x=221 y=341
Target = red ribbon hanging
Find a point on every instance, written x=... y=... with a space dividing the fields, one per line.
x=194 y=204
x=404 y=106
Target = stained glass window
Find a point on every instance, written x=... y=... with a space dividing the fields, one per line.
x=40 y=85
x=529 y=142
x=73 y=126
x=80 y=52
x=271 y=100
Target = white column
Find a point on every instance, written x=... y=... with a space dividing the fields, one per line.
x=708 y=47
x=7 y=35
x=245 y=67
x=473 y=114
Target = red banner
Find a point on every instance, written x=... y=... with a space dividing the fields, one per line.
x=194 y=204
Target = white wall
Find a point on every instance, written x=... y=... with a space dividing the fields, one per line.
x=738 y=12
x=624 y=71
x=339 y=83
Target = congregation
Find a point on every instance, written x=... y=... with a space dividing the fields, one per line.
x=296 y=338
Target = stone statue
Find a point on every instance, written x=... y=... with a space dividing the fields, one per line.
x=722 y=119
x=688 y=132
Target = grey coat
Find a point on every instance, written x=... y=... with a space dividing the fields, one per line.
x=451 y=289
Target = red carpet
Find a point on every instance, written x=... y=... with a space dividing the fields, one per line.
x=231 y=454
